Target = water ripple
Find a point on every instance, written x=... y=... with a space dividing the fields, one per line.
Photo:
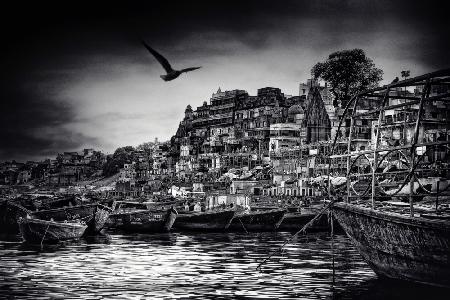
x=181 y=266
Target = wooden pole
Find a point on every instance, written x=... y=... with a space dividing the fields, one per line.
x=377 y=140
x=332 y=245
x=437 y=193
x=415 y=137
x=352 y=121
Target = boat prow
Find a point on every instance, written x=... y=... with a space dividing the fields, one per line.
x=399 y=246
x=10 y=213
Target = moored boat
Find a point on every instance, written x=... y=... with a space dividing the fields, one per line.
x=265 y=220
x=396 y=198
x=293 y=221
x=149 y=221
x=41 y=231
x=397 y=245
x=94 y=215
x=58 y=202
x=10 y=213
x=205 y=221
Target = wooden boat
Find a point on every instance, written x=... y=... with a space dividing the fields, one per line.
x=94 y=215
x=60 y=202
x=10 y=213
x=150 y=221
x=398 y=241
x=293 y=221
x=41 y=231
x=204 y=221
x=399 y=246
x=265 y=220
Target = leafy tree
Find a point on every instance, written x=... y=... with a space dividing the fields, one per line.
x=120 y=157
x=349 y=72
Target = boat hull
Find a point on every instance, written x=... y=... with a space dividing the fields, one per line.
x=398 y=246
x=295 y=221
x=10 y=213
x=144 y=221
x=94 y=215
x=40 y=231
x=205 y=221
x=257 y=221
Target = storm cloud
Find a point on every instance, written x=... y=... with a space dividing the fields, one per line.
x=75 y=75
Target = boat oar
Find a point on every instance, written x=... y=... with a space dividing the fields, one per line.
x=280 y=249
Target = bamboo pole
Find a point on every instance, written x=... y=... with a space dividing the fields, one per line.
x=415 y=137
x=377 y=140
x=392 y=149
x=352 y=121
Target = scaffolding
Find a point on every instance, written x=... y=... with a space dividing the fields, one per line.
x=408 y=153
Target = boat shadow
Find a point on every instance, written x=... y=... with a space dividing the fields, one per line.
x=10 y=237
x=386 y=288
x=88 y=242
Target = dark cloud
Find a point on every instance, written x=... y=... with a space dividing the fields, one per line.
x=44 y=43
x=33 y=127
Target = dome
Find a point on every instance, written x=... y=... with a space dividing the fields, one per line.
x=295 y=109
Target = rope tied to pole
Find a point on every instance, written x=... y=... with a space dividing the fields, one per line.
x=306 y=226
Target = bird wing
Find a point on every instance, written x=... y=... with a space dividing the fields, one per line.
x=189 y=69
x=161 y=59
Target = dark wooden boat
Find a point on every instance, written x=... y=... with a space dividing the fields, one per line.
x=149 y=221
x=37 y=231
x=10 y=213
x=399 y=246
x=256 y=221
x=293 y=221
x=94 y=215
x=204 y=221
x=60 y=202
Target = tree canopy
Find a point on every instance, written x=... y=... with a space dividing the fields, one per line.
x=120 y=157
x=348 y=72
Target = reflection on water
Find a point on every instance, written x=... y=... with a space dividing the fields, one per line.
x=203 y=266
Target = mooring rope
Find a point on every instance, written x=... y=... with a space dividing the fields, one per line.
x=311 y=222
x=43 y=237
x=243 y=225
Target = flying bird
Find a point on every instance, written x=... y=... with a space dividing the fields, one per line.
x=171 y=73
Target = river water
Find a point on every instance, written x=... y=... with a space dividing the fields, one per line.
x=196 y=266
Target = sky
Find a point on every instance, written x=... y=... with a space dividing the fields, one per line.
x=75 y=75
